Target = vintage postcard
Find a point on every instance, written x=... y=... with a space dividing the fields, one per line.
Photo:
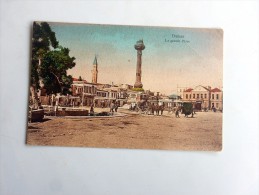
x=115 y=86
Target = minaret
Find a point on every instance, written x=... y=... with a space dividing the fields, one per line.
x=95 y=71
x=139 y=46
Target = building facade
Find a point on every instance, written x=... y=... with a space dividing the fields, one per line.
x=86 y=91
x=216 y=99
x=204 y=97
x=180 y=91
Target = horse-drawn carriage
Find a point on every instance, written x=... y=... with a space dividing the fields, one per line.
x=150 y=107
x=140 y=106
x=187 y=109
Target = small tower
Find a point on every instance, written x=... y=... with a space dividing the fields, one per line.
x=95 y=71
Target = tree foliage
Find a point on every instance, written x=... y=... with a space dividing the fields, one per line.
x=43 y=38
x=50 y=61
x=53 y=71
x=137 y=89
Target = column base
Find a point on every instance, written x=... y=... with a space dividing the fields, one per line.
x=138 y=85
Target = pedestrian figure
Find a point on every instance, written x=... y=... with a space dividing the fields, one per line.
x=162 y=109
x=157 y=109
x=92 y=110
x=112 y=107
x=152 y=108
x=177 y=113
x=134 y=106
x=116 y=107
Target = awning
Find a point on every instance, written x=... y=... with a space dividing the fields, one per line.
x=173 y=96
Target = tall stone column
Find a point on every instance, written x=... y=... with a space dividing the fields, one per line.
x=139 y=46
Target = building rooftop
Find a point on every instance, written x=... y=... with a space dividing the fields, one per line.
x=188 y=90
x=216 y=90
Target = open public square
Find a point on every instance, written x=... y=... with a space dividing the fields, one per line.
x=128 y=129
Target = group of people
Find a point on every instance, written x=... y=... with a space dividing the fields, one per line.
x=113 y=108
x=148 y=108
x=156 y=109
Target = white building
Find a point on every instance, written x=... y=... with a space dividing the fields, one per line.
x=180 y=91
x=204 y=97
x=86 y=91
x=216 y=99
x=199 y=96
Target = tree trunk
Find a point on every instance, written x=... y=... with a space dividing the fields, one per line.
x=34 y=96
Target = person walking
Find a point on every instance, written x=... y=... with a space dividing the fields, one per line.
x=116 y=106
x=177 y=113
x=162 y=109
x=92 y=110
x=157 y=109
x=112 y=107
x=152 y=108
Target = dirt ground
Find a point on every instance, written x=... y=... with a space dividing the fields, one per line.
x=203 y=132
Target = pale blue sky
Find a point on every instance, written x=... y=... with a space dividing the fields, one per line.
x=164 y=65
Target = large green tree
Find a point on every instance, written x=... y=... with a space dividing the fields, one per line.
x=49 y=62
x=43 y=39
x=53 y=71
